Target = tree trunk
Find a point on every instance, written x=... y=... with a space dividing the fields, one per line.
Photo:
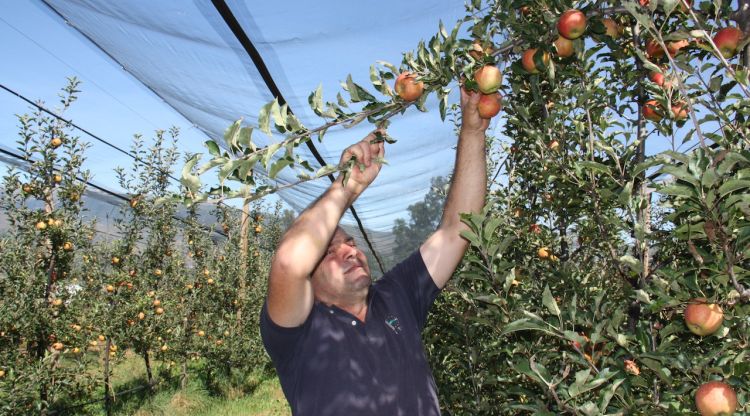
x=107 y=386
x=244 y=247
x=184 y=375
x=149 y=375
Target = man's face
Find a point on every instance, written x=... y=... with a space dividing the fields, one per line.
x=343 y=271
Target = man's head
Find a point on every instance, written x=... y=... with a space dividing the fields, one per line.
x=343 y=273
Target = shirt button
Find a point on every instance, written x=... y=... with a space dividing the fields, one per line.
x=354 y=323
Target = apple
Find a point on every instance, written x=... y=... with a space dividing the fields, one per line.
x=258 y=229
x=2 y=373
x=653 y=49
x=488 y=79
x=614 y=30
x=715 y=398
x=67 y=246
x=703 y=318
x=407 y=87
x=110 y=288
x=156 y=302
x=543 y=253
x=55 y=142
x=41 y=225
x=727 y=40
x=564 y=47
x=652 y=110
x=164 y=348
x=27 y=188
x=659 y=79
x=157 y=272
x=553 y=145
x=525 y=10
x=159 y=311
x=674 y=47
x=210 y=281
x=572 y=24
x=141 y=316
x=680 y=111
x=489 y=105
x=115 y=260
x=201 y=334
x=527 y=61
x=535 y=228
x=58 y=346
x=517 y=212
x=57 y=178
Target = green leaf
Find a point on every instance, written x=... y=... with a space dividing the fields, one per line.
x=526 y=324
x=549 y=302
x=595 y=166
x=733 y=185
x=232 y=134
x=213 y=148
x=630 y=261
x=278 y=166
x=264 y=122
x=678 y=190
x=270 y=151
x=190 y=181
x=316 y=100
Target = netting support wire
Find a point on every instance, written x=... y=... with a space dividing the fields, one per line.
x=260 y=65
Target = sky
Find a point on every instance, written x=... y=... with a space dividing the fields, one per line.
x=41 y=51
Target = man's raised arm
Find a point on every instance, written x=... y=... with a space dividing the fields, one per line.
x=444 y=249
x=290 y=293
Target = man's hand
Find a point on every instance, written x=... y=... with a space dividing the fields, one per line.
x=366 y=165
x=470 y=120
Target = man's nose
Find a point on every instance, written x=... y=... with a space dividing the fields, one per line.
x=348 y=251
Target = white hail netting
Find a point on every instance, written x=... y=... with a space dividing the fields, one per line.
x=186 y=54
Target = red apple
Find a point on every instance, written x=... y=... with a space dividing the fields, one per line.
x=525 y=10
x=653 y=49
x=572 y=24
x=727 y=40
x=614 y=30
x=659 y=79
x=488 y=79
x=652 y=110
x=703 y=318
x=489 y=105
x=715 y=399
x=564 y=47
x=527 y=61
x=407 y=87
x=680 y=111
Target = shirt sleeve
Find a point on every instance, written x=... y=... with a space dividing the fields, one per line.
x=280 y=342
x=412 y=276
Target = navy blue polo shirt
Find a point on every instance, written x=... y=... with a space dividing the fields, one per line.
x=334 y=364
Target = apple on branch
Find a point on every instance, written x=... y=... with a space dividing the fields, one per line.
x=489 y=105
x=528 y=61
x=703 y=318
x=564 y=47
x=488 y=79
x=407 y=87
x=727 y=41
x=715 y=398
x=652 y=110
x=572 y=24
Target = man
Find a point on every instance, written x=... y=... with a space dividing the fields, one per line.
x=341 y=344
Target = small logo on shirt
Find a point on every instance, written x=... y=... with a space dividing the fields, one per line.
x=393 y=323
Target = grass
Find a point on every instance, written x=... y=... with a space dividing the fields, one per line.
x=258 y=393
